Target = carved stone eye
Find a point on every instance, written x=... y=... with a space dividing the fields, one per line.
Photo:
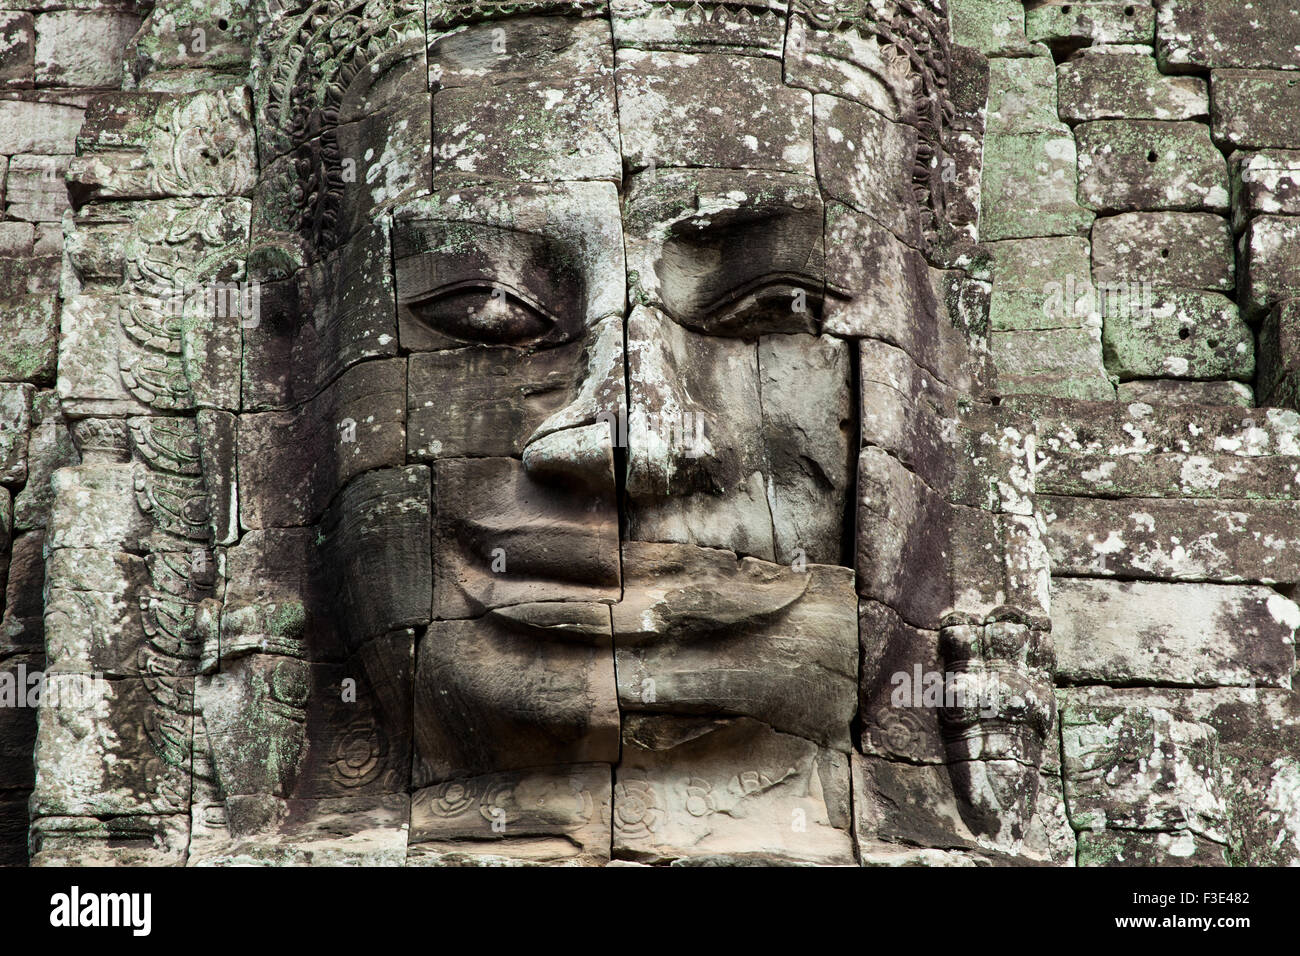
x=772 y=303
x=490 y=314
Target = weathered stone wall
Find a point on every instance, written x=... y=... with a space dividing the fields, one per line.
x=55 y=58
x=1137 y=202
x=1076 y=388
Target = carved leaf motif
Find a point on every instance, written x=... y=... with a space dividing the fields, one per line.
x=200 y=151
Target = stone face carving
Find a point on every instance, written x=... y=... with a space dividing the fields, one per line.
x=577 y=432
x=559 y=505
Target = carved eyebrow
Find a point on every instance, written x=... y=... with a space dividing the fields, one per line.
x=751 y=211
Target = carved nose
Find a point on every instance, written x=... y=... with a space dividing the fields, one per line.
x=582 y=456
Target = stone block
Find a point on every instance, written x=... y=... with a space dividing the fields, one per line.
x=1257 y=732
x=1029 y=187
x=32 y=126
x=82 y=48
x=1065 y=363
x=1195 y=539
x=925 y=557
x=1127 y=165
x=1030 y=276
x=17 y=49
x=1268 y=264
x=94 y=506
x=15 y=425
x=759 y=31
x=1198 y=34
x=528 y=816
x=30 y=326
x=1249 y=108
x=24 y=608
x=1188 y=249
x=728 y=791
x=1102 y=85
x=1264 y=183
x=376 y=549
x=35 y=189
x=1138 y=849
x=781 y=646
x=541 y=131
x=867 y=162
x=766 y=124
x=899 y=806
x=1182 y=334
x=1171 y=392
x=989 y=26
x=120 y=750
x=1141 y=770
x=1092 y=22
x=532 y=687
x=1202 y=635
x=49 y=448
x=143 y=145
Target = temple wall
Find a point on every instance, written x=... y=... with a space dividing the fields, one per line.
x=1082 y=408
x=1136 y=200
x=55 y=58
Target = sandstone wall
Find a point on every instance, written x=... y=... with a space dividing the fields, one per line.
x=1124 y=206
x=54 y=59
x=1138 y=200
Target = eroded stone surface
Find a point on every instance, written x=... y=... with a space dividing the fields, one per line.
x=1191 y=249
x=1264 y=182
x=1169 y=392
x=1103 y=85
x=1091 y=22
x=505 y=519
x=1248 y=107
x=1269 y=267
x=1129 y=165
x=1213 y=33
x=1173 y=540
x=1065 y=363
x=1197 y=635
x=1142 y=770
x=694 y=787
x=1179 y=334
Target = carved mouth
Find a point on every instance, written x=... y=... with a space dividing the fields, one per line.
x=553 y=550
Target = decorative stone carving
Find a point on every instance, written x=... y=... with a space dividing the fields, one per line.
x=648 y=432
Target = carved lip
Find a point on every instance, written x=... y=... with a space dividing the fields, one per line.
x=553 y=549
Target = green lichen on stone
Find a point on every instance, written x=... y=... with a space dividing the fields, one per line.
x=990 y=26
x=288 y=620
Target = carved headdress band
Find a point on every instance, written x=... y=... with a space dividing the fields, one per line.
x=826 y=14
x=306 y=70
x=443 y=14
